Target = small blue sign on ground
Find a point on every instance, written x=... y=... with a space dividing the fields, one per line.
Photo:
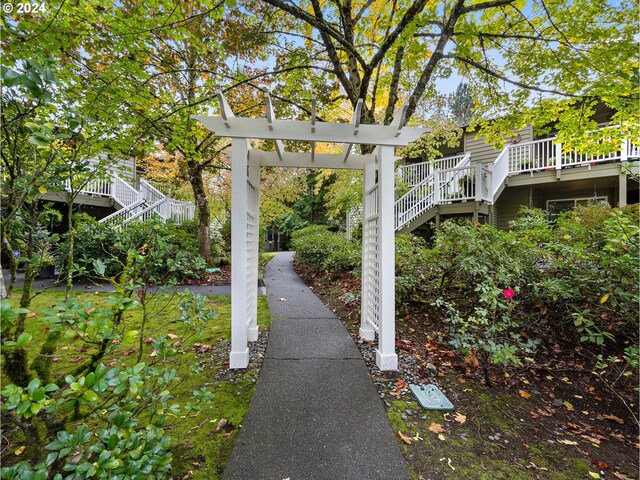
x=431 y=397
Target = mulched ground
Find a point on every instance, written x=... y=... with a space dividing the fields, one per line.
x=550 y=419
x=218 y=279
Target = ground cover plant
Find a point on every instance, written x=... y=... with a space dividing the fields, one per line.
x=532 y=334
x=131 y=384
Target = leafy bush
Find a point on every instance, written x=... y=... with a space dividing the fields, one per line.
x=174 y=249
x=573 y=279
x=322 y=249
x=126 y=406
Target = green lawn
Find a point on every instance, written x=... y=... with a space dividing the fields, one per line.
x=195 y=446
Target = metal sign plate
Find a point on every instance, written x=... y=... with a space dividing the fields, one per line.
x=431 y=397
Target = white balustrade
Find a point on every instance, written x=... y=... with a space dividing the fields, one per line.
x=424 y=195
x=150 y=193
x=414 y=173
x=456 y=184
x=532 y=156
x=122 y=192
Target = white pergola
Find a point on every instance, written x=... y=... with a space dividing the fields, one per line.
x=378 y=236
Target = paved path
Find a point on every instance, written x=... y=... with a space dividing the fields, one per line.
x=84 y=285
x=316 y=414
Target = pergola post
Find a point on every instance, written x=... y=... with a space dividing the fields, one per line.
x=386 y=357
x=240 y=295
x=369 y=281
x=253 y=246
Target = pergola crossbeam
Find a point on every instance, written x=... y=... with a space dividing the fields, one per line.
x=299 y=131
x=346 y=149
x=278 y=143
x=225 y=109
x=399 y=119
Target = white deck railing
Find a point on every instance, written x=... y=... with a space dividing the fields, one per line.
x=432 y=189
x=125 y=214
x=547 y=154
x=414 y=173
x=122 y=192
x=138 y=204
x=150 y=193
x=182 y=211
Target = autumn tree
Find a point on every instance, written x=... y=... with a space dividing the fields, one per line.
x=510 y=52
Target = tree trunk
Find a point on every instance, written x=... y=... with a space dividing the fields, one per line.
x=202 y=207
x=71 y=235
x=16 y=359
x=7 y=246
x=3 y=291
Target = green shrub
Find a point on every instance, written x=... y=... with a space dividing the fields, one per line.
x=128 y=407
x=174 y=249
x=321 y=249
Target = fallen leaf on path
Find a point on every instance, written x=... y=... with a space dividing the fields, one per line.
x=546 y=412
x=621 y=476
x=568 y=406
x=524 y=394
x=154 y=353
x=20 y=450
x=441 y=437
x=436 y=428
x=148 y=340
x=535 y=467
x=614 y=418
x=594 y=475
x=600 y=465
x=172 y=336
x=458 y=417
x=405 y=438
x=448 y=462
x=567 y=442
x=417 y=437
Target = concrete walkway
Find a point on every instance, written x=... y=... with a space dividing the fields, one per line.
x=85 y=285
x=316 y=414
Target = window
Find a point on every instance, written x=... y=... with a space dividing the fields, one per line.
x=556 y=207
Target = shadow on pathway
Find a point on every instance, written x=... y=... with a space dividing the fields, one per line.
x=316 y=413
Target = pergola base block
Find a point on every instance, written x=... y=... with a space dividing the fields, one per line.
x=368 y=335
x=252 y=333
x=386 y=361
x=239 y=359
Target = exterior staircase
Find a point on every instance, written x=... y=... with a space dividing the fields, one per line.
x=140 y=203
x=456 y=179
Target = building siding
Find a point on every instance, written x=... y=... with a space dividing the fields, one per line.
x=484 y=152
x=513 y=198
x=508 y=204
x=124 y=166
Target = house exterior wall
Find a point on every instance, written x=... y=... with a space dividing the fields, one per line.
x=513 y=198
x=484 y=152
x=508 y=204
x=124 y=166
